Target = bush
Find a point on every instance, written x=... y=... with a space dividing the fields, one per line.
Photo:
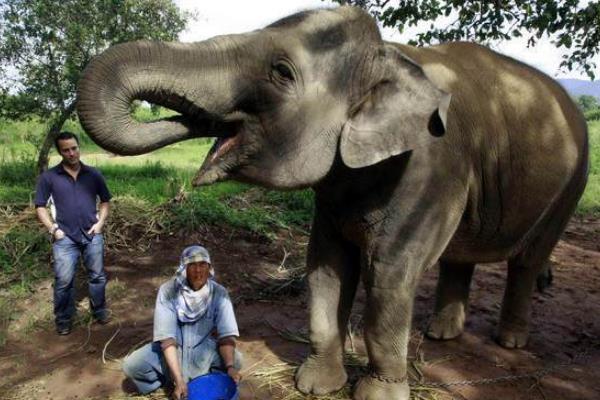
x=592 y=115
x=24 y=248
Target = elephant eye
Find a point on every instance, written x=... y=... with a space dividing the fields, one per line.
x=283 y=71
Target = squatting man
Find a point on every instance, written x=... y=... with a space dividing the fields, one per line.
x=76 y=231
x=194 y=330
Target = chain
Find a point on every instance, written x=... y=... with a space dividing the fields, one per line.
x=509 y=378
x=386 y=379
x=382 y=378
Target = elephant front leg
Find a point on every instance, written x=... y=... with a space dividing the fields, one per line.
x=333 y=274
x=387 y=329
x=409 y=242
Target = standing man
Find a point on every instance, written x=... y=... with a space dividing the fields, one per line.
x=76 y=230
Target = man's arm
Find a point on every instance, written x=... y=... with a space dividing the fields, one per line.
x=102 y=216
x=169 y=349
x=165 y=332
x=227 y=350
x=43 y=190
x=228 y=330
x=44 y=217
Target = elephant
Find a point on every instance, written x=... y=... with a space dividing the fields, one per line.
x=451 y=154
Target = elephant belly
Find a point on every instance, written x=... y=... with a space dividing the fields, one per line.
x=465 y=250
x=473 y=243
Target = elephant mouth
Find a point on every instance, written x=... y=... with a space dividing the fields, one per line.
x=223 y=157
x=221 y=147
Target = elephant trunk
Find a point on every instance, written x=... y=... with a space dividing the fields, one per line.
x=191 y=79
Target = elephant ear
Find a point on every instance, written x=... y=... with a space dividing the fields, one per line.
x=401 y=111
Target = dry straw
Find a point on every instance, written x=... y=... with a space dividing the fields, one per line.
x=134 y=224
x=279 y=378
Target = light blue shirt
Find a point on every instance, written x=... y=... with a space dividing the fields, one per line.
x=194 y=339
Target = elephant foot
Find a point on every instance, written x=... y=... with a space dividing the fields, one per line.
x=320 y=375
x=512 y=338
x=447 y=324
x=369 y=388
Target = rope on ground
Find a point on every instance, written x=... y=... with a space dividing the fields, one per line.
x=110 y=340
x=85 y=343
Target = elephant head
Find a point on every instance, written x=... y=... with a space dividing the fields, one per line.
x=283 y=101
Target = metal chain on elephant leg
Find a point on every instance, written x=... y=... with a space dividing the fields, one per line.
x=383 y=378
x=510 y=378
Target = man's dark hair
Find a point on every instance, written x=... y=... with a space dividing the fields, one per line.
x=65 y=135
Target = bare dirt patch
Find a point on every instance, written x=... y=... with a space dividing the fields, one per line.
x=561 y=361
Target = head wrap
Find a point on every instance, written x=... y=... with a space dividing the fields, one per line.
x=191 y=305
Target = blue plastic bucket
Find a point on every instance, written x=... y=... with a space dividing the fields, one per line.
x=214 y=386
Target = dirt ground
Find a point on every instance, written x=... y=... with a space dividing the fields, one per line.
x=561 y=361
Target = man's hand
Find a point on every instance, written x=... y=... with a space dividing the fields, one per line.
x=58 y=234
x=234 y=374
x=181 y=391
x=96 y=228
x=169 y=349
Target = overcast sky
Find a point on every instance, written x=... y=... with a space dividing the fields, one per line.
x=219 y=17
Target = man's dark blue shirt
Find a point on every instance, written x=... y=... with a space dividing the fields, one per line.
x=75 y=200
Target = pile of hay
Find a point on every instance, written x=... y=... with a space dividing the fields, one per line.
x=134 y=224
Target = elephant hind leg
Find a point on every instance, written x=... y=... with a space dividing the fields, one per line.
x=451 y=300
x=525 y=267
x=545 y=278
x=524 y=270
x=513 y=330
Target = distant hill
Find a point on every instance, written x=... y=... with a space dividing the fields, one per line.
x=578 y=87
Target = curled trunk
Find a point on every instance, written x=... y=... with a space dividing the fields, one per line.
x=188 y=78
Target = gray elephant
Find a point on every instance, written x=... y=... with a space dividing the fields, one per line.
x=451 y=153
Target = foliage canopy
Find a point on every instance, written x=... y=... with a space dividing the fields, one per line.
x=587 y=102
x=572 y=25
x=45 y=45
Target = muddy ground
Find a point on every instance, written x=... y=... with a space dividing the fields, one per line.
x=563 y=352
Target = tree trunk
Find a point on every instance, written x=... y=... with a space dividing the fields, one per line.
x=42 y=163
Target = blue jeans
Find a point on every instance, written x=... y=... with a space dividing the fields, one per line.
x=66 y=257
x=148 y=370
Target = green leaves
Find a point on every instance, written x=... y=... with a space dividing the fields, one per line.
x=45 y=44
x=587 y=103
x=571 y=24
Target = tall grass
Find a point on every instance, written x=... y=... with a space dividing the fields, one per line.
x=590 y=201
x=17 y=179
x=252 y=209
x=18 y=138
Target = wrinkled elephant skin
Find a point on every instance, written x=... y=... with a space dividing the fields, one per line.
x=451 y=154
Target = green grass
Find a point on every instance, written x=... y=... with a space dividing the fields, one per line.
x=155 y=178
x=243 y=207
x=20 y=248
x=24 y=137
x=590 y=201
